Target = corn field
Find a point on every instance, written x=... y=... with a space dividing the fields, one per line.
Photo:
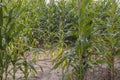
x=81 y=38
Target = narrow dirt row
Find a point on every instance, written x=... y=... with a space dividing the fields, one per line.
x=98 y=73
x=47 y=73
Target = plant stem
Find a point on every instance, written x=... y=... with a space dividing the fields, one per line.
x=1 y=24
x=1 y=54
x=111 y=69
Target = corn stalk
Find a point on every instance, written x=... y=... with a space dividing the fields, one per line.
x=84 y=39
x=1 y=54
x=110 y=58
x=1 y=24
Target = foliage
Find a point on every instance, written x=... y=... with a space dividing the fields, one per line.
x=97 y=34
x=73 y=30
x=14 y=43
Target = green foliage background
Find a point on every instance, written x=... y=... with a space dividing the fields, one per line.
x=73 y=30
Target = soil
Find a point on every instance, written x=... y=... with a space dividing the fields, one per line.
x=99 y=73
x=46 y=73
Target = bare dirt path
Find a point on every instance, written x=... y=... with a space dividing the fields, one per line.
x=45 y=74
x=45 y=62
x=48 y=73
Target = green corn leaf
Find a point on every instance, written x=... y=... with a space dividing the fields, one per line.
x=32 y=67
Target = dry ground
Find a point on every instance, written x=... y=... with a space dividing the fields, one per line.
x=100 y=73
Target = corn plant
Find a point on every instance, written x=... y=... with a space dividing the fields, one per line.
x=76 y=30
x=11 y=52
x=1 y=54
x=94 y=36
x=109 y=30
x=78 y=56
